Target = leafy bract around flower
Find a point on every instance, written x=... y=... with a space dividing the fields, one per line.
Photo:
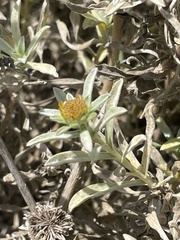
x=74 y=113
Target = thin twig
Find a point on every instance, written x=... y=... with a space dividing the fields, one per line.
x=71 y=183
x=14 y=171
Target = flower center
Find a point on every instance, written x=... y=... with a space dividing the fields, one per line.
x=73 y=109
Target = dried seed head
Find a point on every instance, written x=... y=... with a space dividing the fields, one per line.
x=48 y=223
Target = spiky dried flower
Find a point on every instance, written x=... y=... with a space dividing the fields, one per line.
x=48 y=223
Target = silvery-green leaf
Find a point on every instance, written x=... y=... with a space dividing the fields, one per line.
x=59 y=94
x=74 y=156
x=121 y=4
x=21 y=46
x=88 y=85
x=171 y=145
x=97 y=190
x=43 y=15
x=63 y=129
x=15 y=23
x=35 y=41
x=160 y=3
x=86 y=139
x=43 y=68
x=128 y=237
x=5 y=47
x=69 y=96
x=111 y=113
x=111 y=103
x=49 y=112
x=99 y=101
x=135 y=141
x=164 y=128
x=49 y=136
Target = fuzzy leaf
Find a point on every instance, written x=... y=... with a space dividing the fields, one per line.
x=99 y=101
x=59 y=94
x=164 y=128
x=15 y=23
x=63 y=129
x=86 y=139
x=135 y=141
x=35 y=41
x=74 y=156
x=43 y=68
x=111 y=113
x=49 y=112
x=43 y=15
x=99 y=189
x=88 y=85
x=49 y=136
x=111 y=103
x=171 y=145
x=5 y=47
x=160 y=3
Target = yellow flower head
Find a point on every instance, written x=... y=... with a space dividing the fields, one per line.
x=73 y=109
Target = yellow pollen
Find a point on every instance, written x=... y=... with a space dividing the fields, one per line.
x=73 y=109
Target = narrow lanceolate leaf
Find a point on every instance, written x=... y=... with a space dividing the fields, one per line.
x=160 y=3
x=111 y=103
x=49 y=112
x=86 y=139
x=99 y=101
x=43 y=68
x=170 y=145
x=135 y=141
x=63 y=129
x=43 y=15
x=97 y=190
x=73 y=157
x=59 y=94
x=5 y=47
x=164 y=128
x=49 y=136
x=35 y=41
x=111 y=113
x=88 y=85
x=15 y=24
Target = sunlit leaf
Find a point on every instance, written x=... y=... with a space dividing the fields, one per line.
x=135 y=141
x=49 y=112
x=59 y=94
x=164 y=128
x=171 y=145
x=88 y=85
x=111 y=113
x=86 y=139
x=128 y=237
x=99 y=189
x=15 y=23
x=43 y=68
x=5 y=47
x=63 y=129
x=111 y=103
x=34 y=43
x=99 y=101
x=49 y=136
x=159 y=2
x=21 y=46
x=74 y=156
x=43 y=15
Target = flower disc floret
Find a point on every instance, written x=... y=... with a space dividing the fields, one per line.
x=73 y=109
